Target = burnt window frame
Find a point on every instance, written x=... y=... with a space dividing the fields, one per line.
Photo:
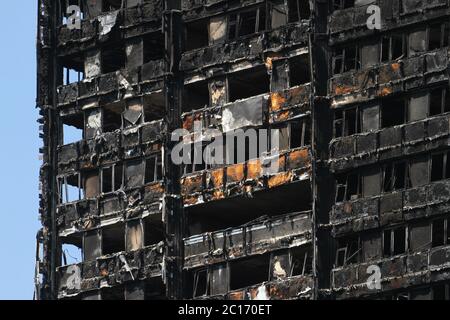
x=298 y=11
x=340 y=53
x=384 y=104
x=342 y=183
x=345 y=132
x=445 y=31
x=260 y=26
x=444 y=103
x=63 y=195
x=343 y=249
x=393 y=180
x=445 y=232
x=392 y=232
x=445 y=174
x=305 y=133
x=158 y=174
x=391 y=47
x=114 y=171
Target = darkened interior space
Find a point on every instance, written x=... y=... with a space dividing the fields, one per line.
x=248 y=83
x=248 y=272
x=232 y=213
x=113 y=58
x=113 y=239
x=153 y=46
x=197 y=35
x=299 y=71
x=196 y=96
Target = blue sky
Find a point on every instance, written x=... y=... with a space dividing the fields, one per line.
x=20 y=144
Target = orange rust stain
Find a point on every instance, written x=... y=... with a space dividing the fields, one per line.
x=238 y=295
x=299 y=159
x=283 y=116
x=218 y=195
x=235 y=173
x=254 y=169
x=191 y=184
x=188 y=123
x=190 y=200
x=395 y=66
x=277 y=100
x=274 y=292
x=280 y=179
x=217 y=178
x=386 y=91
x=339 y=90
x=157 y=188
x=282 y=163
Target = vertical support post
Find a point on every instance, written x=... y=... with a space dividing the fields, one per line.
x=173 y=204
x=47 y=81
x=322 y=182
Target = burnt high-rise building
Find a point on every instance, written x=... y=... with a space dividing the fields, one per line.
x=358 y=206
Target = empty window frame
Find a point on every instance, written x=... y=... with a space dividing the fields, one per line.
x=153 y=232
x=438 y=35
x=71 y=75
x=392 y=47
x=153 y=169
x=70 y=188
x=299 y=134
x=347 y=122
x=201 y=281
x=439 y=101
x=440 y=166
x=393 y=112
x=153 y=46
x=395 y=241
x=71 y=254
x=112 y=117
x=395 y=176
x=112 y=178
x=348 y=251
x=196 y=34
x=248 y=272
x=154 y=106
x=113 y=239
x=346 y=59
x=298 y=10
x=113 y=58
x=246 y=22
x=300 y=262
x=248 y=83
x=343 y=4
x=348 y=187
x=299 y=71
x=195 y=96
x=440 y=233
x=72 y=129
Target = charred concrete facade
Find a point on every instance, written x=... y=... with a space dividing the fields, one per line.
x=363 y=156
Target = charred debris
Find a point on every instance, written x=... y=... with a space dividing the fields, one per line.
x=364 y=162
